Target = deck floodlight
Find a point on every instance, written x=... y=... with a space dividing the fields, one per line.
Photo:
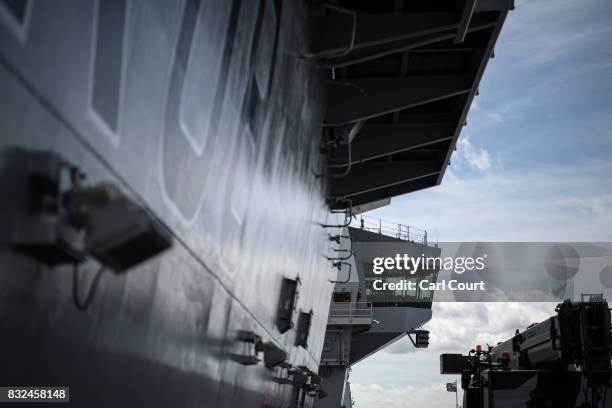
x=121 y=235
x=273 y=355
x=63 y=223
x=421 y=338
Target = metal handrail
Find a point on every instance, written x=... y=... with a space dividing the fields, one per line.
x=392 y=229
x=351 y=311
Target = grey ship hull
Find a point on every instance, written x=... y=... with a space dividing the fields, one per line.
x=208 y=114
x=203 y=113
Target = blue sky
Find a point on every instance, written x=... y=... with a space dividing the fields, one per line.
x=534 y=163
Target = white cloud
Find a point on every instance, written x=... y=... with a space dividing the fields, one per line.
x=493 y=116
x=456 y=327
x=563 y=26
x=545 y=203
x=475 y=158
x=598 y=207
x=375 y=396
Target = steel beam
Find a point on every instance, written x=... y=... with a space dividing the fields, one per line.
x=466 y=16
x=375 y=175
x=494 y=5
x=369 y=53
x=332 y=33
x=359 y=99
x=378 y=140
x=444 y=49
x=393 y=191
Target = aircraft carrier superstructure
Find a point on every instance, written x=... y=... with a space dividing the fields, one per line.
x=176 y=176
x=363 y=320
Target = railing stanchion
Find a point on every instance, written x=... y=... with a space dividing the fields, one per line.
x=393 y=229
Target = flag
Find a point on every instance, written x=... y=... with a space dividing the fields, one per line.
x=451 y=387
